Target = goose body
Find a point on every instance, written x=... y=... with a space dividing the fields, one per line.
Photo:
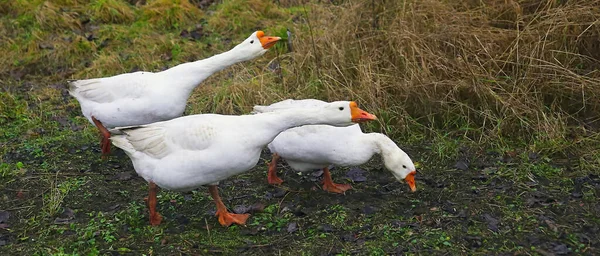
x=145 y=97
x=187 y=152
x=311 y=147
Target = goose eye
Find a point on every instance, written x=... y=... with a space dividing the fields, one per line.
x=251 y=41
x=404 y=166
x=341 y=108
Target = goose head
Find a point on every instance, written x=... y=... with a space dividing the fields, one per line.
x=255 y=45
x=346 y=113
x=402 y=167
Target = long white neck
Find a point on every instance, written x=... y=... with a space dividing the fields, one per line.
x=272 y=123
x=191 y=74
x=384 y=146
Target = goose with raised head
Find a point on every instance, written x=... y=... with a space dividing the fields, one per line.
x=145 y=97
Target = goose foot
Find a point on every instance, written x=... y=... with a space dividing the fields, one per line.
x=105 y=140
x=329 y=186
x=155 y=217
x=226 y=218
x=272 y=174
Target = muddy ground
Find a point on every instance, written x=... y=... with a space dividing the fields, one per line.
x=479 y=202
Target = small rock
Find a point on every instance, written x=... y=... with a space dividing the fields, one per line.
x=182 y=219
x=286 y=209
x=197 y=34
x=4 y=215
x=114 y=207
x=317 y=174
x=491 y=222
x=461 y=165
x=257 y=207
x=576 y=194
x=368 y=210
x=561 y=249
x=325 y=228
x=551 y=225
x=398 y=224
x=250 y=231
x=474 y=241
x=533 y=156
x=203 y=4
x=66 y=217
x=46 y=46
x=300 y=212
x=122 y=176
x=349 y=237
x=292 y=227
x=241 y=209
x=356 y=174
x=69 y=233
x=279 y=193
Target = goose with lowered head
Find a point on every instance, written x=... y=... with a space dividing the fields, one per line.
x=145 y=97
x=312 y=147
x=187 y=152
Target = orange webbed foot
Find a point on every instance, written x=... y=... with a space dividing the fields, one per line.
x=227 y=218
x=274 y=180
x=155 y=219
x=272 y=174
x=336 y=188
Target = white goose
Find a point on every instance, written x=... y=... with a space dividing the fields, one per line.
x=187 y=152
x=146 y=97
x=312 y=147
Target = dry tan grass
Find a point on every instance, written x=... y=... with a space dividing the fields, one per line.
x=172 y=13
x=235 y=16
x=111 y=11
x=525 y=69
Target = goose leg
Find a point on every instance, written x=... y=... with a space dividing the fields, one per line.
x=105 y=141
x=272 y=174
x=329 y=186
x=155 y=217
x=226 y=218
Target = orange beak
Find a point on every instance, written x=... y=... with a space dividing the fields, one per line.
x=267 y=41
x=410 y=180
x=359 y=115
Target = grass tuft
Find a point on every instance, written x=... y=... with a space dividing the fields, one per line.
x=238 y=16
x=111 y=11
x=173 y=14
x=50 y=16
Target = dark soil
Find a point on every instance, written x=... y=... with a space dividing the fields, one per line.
x=481 y=203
